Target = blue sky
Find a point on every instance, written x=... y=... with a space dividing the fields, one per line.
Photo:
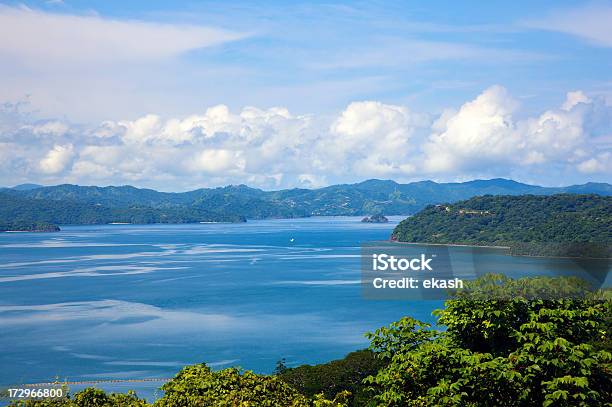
x=456 y=87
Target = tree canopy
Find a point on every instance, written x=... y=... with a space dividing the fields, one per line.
x=528 y=224
x=513 y=351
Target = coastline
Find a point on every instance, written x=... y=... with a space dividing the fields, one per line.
x=451 y=244
x=356 y=217
x=498 y=247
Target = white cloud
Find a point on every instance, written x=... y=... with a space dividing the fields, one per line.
x=57 y=159
x=97 y=67
x=35 y=37
x=573 y=98
x=479 y=133
x=53 y=127
x=407 y=52
x=591 y=22
x=555 y=133
x=91 y=170
x=273 y=148
x=602 y=163
x=217 y=161
x=374 y=138
x=254 y=145
x=312 y=180
x=485 y=135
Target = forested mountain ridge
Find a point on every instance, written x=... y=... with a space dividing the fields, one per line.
x=20 y=213
x=513 y=221
x=58 y=204
x=362 y=198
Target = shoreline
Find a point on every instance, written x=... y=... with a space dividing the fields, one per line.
x=451 y=244
x=499 y=247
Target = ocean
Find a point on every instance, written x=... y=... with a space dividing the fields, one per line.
x=132 y=302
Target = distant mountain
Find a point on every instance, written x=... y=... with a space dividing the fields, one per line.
x=26 y=187
x=590 y=188
x=76 y=204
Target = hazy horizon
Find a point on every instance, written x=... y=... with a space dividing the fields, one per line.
x=278 y=189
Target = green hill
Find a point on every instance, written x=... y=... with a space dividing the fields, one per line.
x=529 y=224
x=29 y=214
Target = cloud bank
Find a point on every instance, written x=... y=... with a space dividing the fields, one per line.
x=273 y=148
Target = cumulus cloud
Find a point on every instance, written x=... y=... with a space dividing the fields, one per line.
x=375 y=138
x=57 y=159
x=481 y=131
x=274 y=148
x=218 y=160
x=484 y=134
x=255 y=145
x=601 y=163
x=313 y=180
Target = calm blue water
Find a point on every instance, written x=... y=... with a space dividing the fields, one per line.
x=128 y=301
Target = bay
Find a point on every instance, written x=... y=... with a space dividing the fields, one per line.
x=141 y=301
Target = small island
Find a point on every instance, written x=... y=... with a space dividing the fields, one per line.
x=378 y=218
x=29 y=227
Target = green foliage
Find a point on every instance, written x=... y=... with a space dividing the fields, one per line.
x=338 y=377
x=281 y=367
x=90 y=397
x=199 y=386
x=341 y=399
x=401 y=336
x=513 y=351
x=30 y=214
x=376 y=218
x=484 y=316
x=28 y=226
x=556 y=225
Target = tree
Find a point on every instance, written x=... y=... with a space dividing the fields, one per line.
x=281 y=367
x=335 y=377
x=89 y=397
x=513 y=349
x=197 y=385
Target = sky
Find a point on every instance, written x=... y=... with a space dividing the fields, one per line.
x=275 y=94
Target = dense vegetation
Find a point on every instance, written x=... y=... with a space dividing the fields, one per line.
x=513 y=350
x=22 y=213
x=336 y=376
x=376 y=218
x=21 y=225
x=529 y=224
x=73 y=204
